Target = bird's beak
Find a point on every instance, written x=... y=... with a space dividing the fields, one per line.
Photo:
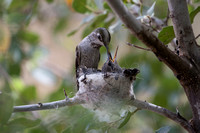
x=115 y=54
x=108 y=52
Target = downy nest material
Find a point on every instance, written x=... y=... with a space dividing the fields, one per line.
x=107 y=92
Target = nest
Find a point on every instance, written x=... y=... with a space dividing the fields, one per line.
x=108 y=91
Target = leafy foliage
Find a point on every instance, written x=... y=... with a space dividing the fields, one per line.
x=19 y=43
x=166 y=35
x=194 y=13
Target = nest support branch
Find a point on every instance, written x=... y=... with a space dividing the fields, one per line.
x=49 y=105
x=133 y=102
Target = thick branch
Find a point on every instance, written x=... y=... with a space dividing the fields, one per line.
x=160 y=50
x=189 y=50
x=50 y=105
x=183 y=30
x=164 y=112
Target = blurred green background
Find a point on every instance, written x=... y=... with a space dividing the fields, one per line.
x=37 y=55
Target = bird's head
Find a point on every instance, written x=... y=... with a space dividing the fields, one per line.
x=101 y=37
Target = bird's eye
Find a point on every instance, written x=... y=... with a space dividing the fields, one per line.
x=99 y=37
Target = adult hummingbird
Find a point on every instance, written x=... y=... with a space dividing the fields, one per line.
x=87 y=52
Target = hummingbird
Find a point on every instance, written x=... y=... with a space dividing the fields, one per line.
x=111 y=64
x=87 y=51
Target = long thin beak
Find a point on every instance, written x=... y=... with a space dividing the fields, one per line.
x=115 y=54
x=108 y=53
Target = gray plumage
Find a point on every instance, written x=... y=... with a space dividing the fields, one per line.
x=87 y=52
x=111 y=65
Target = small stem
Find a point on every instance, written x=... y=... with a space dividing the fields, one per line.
x=147 y=49
x=197 y=36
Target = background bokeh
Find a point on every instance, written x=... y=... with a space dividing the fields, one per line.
x=37 y=56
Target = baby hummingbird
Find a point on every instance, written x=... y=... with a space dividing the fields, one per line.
x=111 y=64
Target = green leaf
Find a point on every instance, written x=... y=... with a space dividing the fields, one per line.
x=80 y=6
x=126 y=119
x=29 y=94
x=49 y=1
x=165 y=129
x=97 y=22
x=60 y=26
x=18 y=6
x=29 y=37
x=20 y=124
x=194 y=13
x=72 y=32
x=67 y=130
x=166 y=35
x=25 y=122
x=6 y=109
x=195 y=1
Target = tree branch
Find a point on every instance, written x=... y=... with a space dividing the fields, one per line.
x=183 y=30
x=164 y=112
x=141 y=32
x=190 y=51
x=50 y=105
x=134 y=102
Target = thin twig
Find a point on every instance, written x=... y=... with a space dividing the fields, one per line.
x=66 y=97
x=167 y=18
x=147 y=49
x=197 y=36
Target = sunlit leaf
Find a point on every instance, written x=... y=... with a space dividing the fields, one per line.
x=106 y=6
x=194 y=13
x=80 y=6
x=166 y=35
x=165 y=129
x=6 y=109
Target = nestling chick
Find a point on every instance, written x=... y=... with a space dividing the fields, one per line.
x=111 y=65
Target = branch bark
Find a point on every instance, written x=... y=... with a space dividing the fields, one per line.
x=183 y=30
x=164 y=112
x=50 y=105
x=190 y=51
x=133 y=102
